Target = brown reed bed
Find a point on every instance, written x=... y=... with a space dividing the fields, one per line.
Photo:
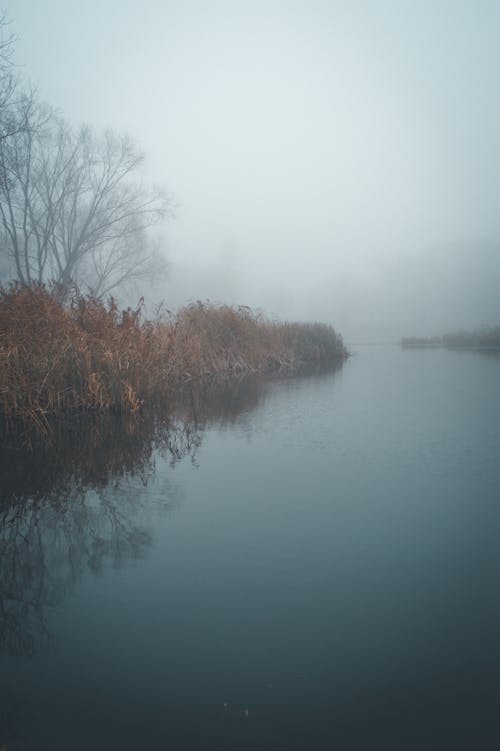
x=86 y=355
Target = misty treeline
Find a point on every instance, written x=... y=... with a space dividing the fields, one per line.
x=73 y=209
x=486 y=338
x=60 y=358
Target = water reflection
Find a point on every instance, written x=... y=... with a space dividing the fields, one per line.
x=73 y=508
x=78 y=503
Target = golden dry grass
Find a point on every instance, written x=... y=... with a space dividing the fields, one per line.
x=87 y=355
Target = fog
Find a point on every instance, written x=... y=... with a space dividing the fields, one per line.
x=329 y=160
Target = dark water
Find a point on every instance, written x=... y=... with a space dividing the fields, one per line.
x=308 y=564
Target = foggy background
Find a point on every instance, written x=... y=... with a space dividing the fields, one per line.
x=337 y=161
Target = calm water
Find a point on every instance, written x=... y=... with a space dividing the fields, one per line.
x=308 y=564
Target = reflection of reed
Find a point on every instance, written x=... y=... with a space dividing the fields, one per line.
x=76 y=504
x=90 y=451
x=70 y=507
x=224 y=404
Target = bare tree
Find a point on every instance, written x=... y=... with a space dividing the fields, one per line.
x=21 y=205
x=72 y=208
x=8 y=79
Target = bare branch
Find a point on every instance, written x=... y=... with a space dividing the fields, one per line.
x=72 y=208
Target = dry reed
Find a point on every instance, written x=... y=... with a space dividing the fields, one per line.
x=87 y=355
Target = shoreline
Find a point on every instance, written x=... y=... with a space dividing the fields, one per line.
x=88 y=356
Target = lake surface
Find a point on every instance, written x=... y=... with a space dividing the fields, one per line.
x=303 y=564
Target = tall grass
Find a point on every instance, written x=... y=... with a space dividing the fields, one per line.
x=87 y=355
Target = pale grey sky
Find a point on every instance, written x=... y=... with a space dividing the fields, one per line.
x=334 y=160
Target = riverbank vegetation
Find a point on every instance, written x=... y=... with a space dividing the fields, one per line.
x=486 y=338
x=58 y=359
x=75 y=214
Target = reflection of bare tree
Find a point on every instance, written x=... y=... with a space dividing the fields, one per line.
x=73 y=507
x=79 y=502
x=23 y=580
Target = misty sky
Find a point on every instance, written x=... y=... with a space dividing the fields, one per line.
x=329 y=160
